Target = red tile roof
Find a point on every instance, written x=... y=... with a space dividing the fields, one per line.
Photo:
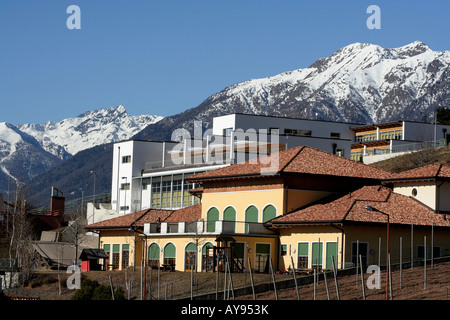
x=401 y=210
x=188 y=214
x=435 y=170
x=303 y=160
x=139 y=217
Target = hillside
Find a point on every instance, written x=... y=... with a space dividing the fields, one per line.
x=415 y=160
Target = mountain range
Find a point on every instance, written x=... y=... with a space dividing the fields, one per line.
x=360 y=83
x=27 y=150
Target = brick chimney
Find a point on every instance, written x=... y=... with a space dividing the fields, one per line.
x=57 y=202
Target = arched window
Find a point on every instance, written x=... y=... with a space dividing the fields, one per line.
x=269 y=213
x=207 y=257
x=211 y=217
x=251 y=216
x=170 y=255
x=229 y=214
x=153 y=255
x=190 y=252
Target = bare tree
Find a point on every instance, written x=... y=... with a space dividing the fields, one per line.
x=20 y=241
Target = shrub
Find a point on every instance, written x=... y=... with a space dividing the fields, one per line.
x=92 y=290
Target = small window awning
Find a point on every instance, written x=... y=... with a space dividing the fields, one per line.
x=224 y=239
x=92 y=254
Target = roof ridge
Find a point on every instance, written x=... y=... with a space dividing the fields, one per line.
x=293 y=157
x=439 y=169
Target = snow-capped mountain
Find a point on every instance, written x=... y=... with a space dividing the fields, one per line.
x=21 y=157
x=69 y=136
x=363 y=83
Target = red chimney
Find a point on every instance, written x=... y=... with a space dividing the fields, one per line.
x=57 y=202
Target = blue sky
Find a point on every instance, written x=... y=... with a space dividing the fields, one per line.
x=163 y=57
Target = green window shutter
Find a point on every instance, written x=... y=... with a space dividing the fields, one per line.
x=317 y=253
x=331 y=251
x=251 y=215
x=191 y=247
x=262 y=248
x=229 y=214
x=169 y=251
x=116 y=248
x=302 y=249
x=211 y=217
x=126 y=247
x=107 y=247
x=153 y=252
x=269 y=213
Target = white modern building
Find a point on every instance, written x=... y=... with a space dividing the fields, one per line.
x=377 y=142
x=151 y=174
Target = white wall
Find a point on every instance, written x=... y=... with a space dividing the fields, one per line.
x=140 y=152
x=417 y=131
x=319 y=128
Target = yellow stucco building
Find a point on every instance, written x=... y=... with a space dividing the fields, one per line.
x=312 y=209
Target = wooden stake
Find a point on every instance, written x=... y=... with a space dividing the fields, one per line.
x=295 y=279
x=335 y=278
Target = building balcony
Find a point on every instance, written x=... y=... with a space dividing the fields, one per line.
x=206 y=228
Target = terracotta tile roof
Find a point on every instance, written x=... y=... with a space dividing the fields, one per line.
x=125 y=221
x=435 y=170
x=188 y=214
x=303 y=160
x=351 y=207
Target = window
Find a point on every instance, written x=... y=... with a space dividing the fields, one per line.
x=124 y=208
x=238 y=255
x=262 y=255
x=229 y=214
x=269 y=213
x=116 y=256
x=420 y=252
x=153 y=255
x=331 y=248
x=107 y=249
x=283 y=250
x=207 y=257
x=251 y=216
x=176 y=193
x=340 y=152
x=156 y=194
x=169 y=255
x=302 y=261
x=166 y=188
x=298 y=132
x=126 y=159
x=335 y=135
x=125 y=255
x=190 y=257
x=414 y=192
x=211 y=217
x=317 y=253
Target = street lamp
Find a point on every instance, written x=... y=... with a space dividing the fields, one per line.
x=387 y=248
x=145 y=258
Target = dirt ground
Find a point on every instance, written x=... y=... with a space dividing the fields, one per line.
x=51 y=285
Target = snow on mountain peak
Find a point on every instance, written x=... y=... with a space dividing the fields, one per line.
x=69 y=136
